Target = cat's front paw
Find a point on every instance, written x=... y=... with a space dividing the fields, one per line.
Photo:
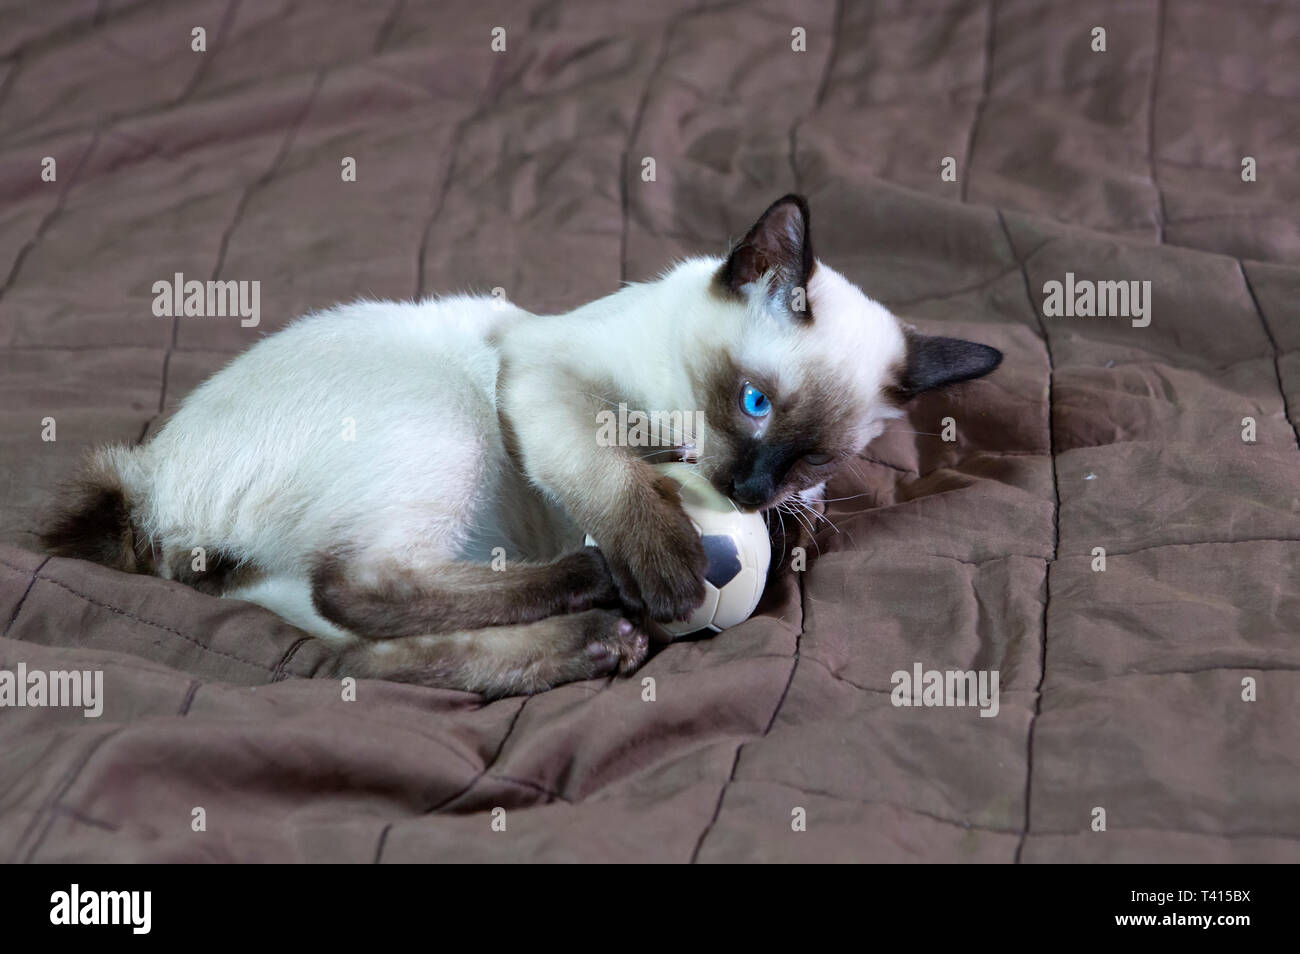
x=587 y=582
x=658 y=567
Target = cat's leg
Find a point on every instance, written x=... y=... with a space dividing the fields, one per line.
x=504 y=660
x=633 y=511
x=384 y=598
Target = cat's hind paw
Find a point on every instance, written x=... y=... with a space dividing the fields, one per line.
x=622 y=650
x=596 y=644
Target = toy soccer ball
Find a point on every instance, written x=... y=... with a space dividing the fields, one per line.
x=738 y=548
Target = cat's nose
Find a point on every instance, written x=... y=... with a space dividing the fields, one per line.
x=752 y=492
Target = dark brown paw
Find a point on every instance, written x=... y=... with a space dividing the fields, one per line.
x=589 y=583
x=669 y=591
x=609 y=644
x=657 y=560
x=653 y=552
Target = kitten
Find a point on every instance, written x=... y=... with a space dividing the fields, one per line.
x=359 y=471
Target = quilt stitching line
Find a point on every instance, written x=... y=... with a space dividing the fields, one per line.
x=501 y=746
x=534 y=786
x=11 y=79
x=179 y=100
x=871 y=689
x=383 y=840
x=69 y=31
x=188 y=701
x=819 y=96
x=23 y=599
x=1196 y=543
x=385 y=32
x=205 y=62
x=873 y=460
x=482 y=773
x=893 y=305
x=979 y=286
x=54 y=804
x=909 y=551
x=942 y=493
x=1056 y=538
x=486 y=772
x=47 y=811
x=72 y=30
x=126 y=662
x=1035 y=98
x=156 y=625
x=837 y=27
x=82 y=818
x=1277 y=354
x=883 y=803
x=50 y=217
x=182 y=99
x=1152 y=164
x=218 y=42
x=95 y=138
x=486 y=100
x=1217 y=85
x=1249 y=214
x=1120 y=231
x=75 y=349
x=634 y=130
x=1176 y=831
x=846 y=680
x=279 y=674
x=735 y=764
x=1138 y=674
x=968 y=152
x=929 y=473
x=223 y=248
x=1214 y=167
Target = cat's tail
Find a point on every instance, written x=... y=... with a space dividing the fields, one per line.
x=94 y=519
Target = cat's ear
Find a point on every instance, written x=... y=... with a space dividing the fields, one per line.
x=933 y=362
x=778 y=243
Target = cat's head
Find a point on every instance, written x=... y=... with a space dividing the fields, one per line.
x=813 y=370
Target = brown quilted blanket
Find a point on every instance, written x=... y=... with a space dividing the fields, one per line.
x=1158 y=696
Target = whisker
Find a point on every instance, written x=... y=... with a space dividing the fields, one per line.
x=768 y=521
x=599 y=397
x=807 y=526
x=815 y=516
x=666 y=450
x=828 y=520
x=842 y=499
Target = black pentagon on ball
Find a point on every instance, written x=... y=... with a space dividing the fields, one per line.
x=724 y=558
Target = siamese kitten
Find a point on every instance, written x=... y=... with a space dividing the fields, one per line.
x=359 y=471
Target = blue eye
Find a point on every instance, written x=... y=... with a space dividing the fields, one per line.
x=754 y=402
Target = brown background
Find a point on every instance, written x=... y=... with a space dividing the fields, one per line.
x=1120 y=690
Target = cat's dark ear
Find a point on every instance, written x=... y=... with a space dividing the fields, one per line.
x=933 y=362
x=779 y=242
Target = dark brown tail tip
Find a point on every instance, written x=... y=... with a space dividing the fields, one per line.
x=94 y=523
